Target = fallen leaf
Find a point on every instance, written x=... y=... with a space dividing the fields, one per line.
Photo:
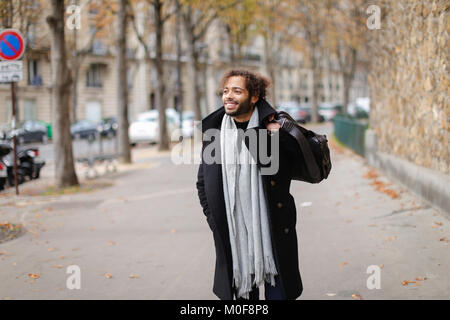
x=438 y=223
x=134 y=276
x=406 y=282
x=331 y=294
x=371 y=174
x=2 y=252
x=59 y=266
x=108 y=275
x=111 y=243
x=356 y=297
x=420 y=279
x=33 y=275
x=51 y=249
x=381 y=266
x=34 y=232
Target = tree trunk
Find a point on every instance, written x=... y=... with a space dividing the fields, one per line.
x=65 y=174
x=122 y=85
x=270 y=67
x=76 y=74
x=179 y=105
x=159 y=65
x=348 y=75
x=193 y=65
x=317 y=78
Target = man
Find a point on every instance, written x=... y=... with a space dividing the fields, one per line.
x=252 y=215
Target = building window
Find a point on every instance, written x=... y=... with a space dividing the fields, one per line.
x=29 y=109
x=94 y=76
x=34 y=79
x=152 y=101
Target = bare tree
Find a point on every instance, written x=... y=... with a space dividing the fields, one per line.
x=197 y=17
x=61 y=83
x=122 y=83
x=312 y=22
x=346 y=37
x=161 y=14
x=273 y=21
x=78 y=52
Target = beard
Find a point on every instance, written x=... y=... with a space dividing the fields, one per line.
x=242 y=108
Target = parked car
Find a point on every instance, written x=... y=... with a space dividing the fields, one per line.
x=360 y=108
x=84 y=129
x=108 y=127
x=329 y=110
x=5 y=148
x=188 y=124
x=308 y=109
x=30 y=131
x=294 y=110
x=146 y=128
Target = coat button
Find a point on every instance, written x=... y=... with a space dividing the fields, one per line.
x=272 y=183
x=279 y=204
x=286 y=230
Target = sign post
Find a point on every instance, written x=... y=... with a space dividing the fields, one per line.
x=12 y=47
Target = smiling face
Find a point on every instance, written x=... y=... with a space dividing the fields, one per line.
x=236 y=99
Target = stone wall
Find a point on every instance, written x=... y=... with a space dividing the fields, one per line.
x=409 y=82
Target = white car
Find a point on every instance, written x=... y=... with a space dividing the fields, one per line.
x=328 y=110
x=146 y=128
x=188 y=124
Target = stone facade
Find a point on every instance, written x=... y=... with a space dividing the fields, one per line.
x=409 y=82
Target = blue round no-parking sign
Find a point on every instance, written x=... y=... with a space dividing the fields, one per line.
x=12 y=45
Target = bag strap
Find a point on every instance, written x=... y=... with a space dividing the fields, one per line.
x=290 y=125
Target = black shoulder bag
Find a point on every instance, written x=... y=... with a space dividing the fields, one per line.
x=314 y=146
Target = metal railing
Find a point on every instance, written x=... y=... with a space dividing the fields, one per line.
x=93 y=152
x=351 y=131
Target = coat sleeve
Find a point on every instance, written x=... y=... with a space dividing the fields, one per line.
x=290 y=146
x=202 y=197
x=201 y=190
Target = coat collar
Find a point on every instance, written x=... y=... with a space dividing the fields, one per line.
x=214 y=119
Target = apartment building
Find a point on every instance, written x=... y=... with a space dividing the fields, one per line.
x=96 y=77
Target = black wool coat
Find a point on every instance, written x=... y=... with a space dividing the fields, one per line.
x=281 y=207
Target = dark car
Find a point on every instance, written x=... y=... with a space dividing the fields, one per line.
x=329 y=110
x=84 y=129
x=306 y=107
x=295 y=111
x=30 y=131
x=108 y=127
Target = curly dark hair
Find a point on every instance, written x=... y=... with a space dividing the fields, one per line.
x=255 y=83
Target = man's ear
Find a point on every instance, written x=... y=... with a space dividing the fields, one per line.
x=254 y=99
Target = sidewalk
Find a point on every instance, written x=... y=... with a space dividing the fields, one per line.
x=140 y=234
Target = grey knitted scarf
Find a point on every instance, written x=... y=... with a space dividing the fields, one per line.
x=251 y=246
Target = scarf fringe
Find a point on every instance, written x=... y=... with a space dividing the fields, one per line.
x=245 y=288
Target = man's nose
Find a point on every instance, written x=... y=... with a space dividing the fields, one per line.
x=227 y=95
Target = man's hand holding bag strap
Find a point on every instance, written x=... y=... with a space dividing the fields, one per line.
x=314 y=146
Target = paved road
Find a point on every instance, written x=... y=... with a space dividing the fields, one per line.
x=147 y=231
